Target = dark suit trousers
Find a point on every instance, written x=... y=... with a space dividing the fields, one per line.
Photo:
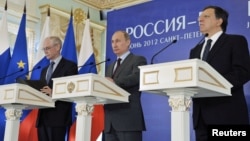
x=51 y=134
x=201 y=133
x=114 y=135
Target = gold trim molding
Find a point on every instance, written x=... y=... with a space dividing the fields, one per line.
x=110 y=4
x=60 y=22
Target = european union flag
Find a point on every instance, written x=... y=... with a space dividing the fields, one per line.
x=19 y=65
x=69 y=45
x=69 y=52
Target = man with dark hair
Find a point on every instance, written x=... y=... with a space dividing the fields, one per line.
x=124 y=121
x=229 y=55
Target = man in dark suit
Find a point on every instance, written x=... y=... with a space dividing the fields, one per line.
x=52 y=123
x=229 y=55
x=124 y=121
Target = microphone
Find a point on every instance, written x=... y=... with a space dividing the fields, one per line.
x=98 y=64
x=36 y=68
x=174 y=41
x=91 y=63
x=12 y=73
x=202 y=39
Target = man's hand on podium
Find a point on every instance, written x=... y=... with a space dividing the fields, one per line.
x=47 y=90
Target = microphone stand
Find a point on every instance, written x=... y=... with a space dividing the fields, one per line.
x=38 y=67
x=98 y=64
x=12 y=74
x=174 y=41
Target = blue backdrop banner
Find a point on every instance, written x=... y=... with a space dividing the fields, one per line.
x=154 y=25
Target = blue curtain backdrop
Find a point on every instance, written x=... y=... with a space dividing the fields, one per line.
x=152 y=26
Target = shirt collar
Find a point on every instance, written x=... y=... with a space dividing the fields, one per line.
x=57 y=60
x=214 y=37
x=123 y=56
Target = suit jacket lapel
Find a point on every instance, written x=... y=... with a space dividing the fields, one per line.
x=216 y=46
x=124 y=63
x=58 y=68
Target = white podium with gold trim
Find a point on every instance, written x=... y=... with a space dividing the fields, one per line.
x=15 y=98
x=87 y=90
x=182 y=81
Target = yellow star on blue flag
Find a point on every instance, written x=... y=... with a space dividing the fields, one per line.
x=19 y=67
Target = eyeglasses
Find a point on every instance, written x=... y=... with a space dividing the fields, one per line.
x=48 y=48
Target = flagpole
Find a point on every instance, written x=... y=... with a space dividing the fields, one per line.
x=14 y=111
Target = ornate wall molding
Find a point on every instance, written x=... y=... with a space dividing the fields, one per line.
x=110 y=4
x=59 y=26
x=15 y=11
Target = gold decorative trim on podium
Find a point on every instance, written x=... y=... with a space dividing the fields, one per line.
x=215 y=82
x=70 y=87
x=22 y=94
x=97 y=87
x=180 y=103
x=91 y=88
x=183 y=74
x=83 y=86
x=60 y=88
x=193 y=74
x=150 y=77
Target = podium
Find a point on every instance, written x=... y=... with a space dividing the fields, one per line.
x=182 y=81
x=87 y=90
x=15 y=98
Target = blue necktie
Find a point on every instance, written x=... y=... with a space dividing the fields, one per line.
x=207 y=48
x=49 y=72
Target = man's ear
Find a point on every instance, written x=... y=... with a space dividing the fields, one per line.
x=58 y=47
x=128 y=42
x=219 y=22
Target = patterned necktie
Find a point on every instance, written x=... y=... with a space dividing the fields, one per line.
x=118 y=63
x=49 y=72
x=207 y=48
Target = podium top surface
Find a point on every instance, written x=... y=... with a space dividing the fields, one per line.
x=90 y=88
x=21 y=94
x=193 y=75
